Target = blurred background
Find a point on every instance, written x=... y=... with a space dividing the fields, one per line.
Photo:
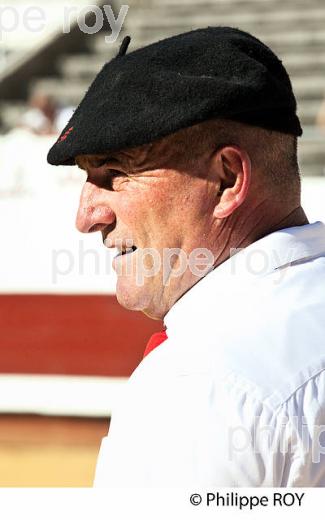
x=66 y=346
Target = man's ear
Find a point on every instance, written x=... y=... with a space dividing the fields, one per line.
x=233 y=167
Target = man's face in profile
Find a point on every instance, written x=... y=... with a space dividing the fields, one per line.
x=148 y=209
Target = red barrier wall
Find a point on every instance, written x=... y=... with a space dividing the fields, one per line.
x=76 y=335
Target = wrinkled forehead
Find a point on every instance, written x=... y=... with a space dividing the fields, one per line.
x=140 y=157
x=172 y=150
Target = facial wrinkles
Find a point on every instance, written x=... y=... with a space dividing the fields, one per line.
x=169 y=152
x=162 y=203
x=135 y=159
x=165 y=153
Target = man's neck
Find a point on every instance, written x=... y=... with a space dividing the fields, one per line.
x=296 y=217
x=257 y=229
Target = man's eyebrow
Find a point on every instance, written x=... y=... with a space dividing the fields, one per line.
x=84 y=161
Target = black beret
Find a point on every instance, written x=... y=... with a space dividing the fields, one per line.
x=215 y=72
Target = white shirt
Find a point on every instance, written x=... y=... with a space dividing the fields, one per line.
x=236 y=395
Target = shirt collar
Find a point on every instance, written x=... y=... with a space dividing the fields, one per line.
x=272 y=252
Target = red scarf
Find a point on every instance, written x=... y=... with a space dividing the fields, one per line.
x=155 y=340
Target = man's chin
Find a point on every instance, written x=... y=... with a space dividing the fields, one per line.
x=136 y=298
x=130 y=297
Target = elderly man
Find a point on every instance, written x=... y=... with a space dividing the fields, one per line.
x=190 y=149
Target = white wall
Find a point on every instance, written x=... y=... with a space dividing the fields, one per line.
x=39 y=242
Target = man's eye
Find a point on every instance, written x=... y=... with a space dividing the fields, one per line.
x=111 y=178
x=108 y=179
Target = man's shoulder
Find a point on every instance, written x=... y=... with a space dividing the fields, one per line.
x=270 y=335
x=264 y=387
x=265 y=371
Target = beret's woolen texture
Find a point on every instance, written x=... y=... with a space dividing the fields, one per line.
x=216 y=72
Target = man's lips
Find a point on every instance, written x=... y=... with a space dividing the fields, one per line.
x=126 y=251
x=122 y=253
x=123 y=246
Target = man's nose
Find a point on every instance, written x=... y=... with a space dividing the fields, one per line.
x=94 y=213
